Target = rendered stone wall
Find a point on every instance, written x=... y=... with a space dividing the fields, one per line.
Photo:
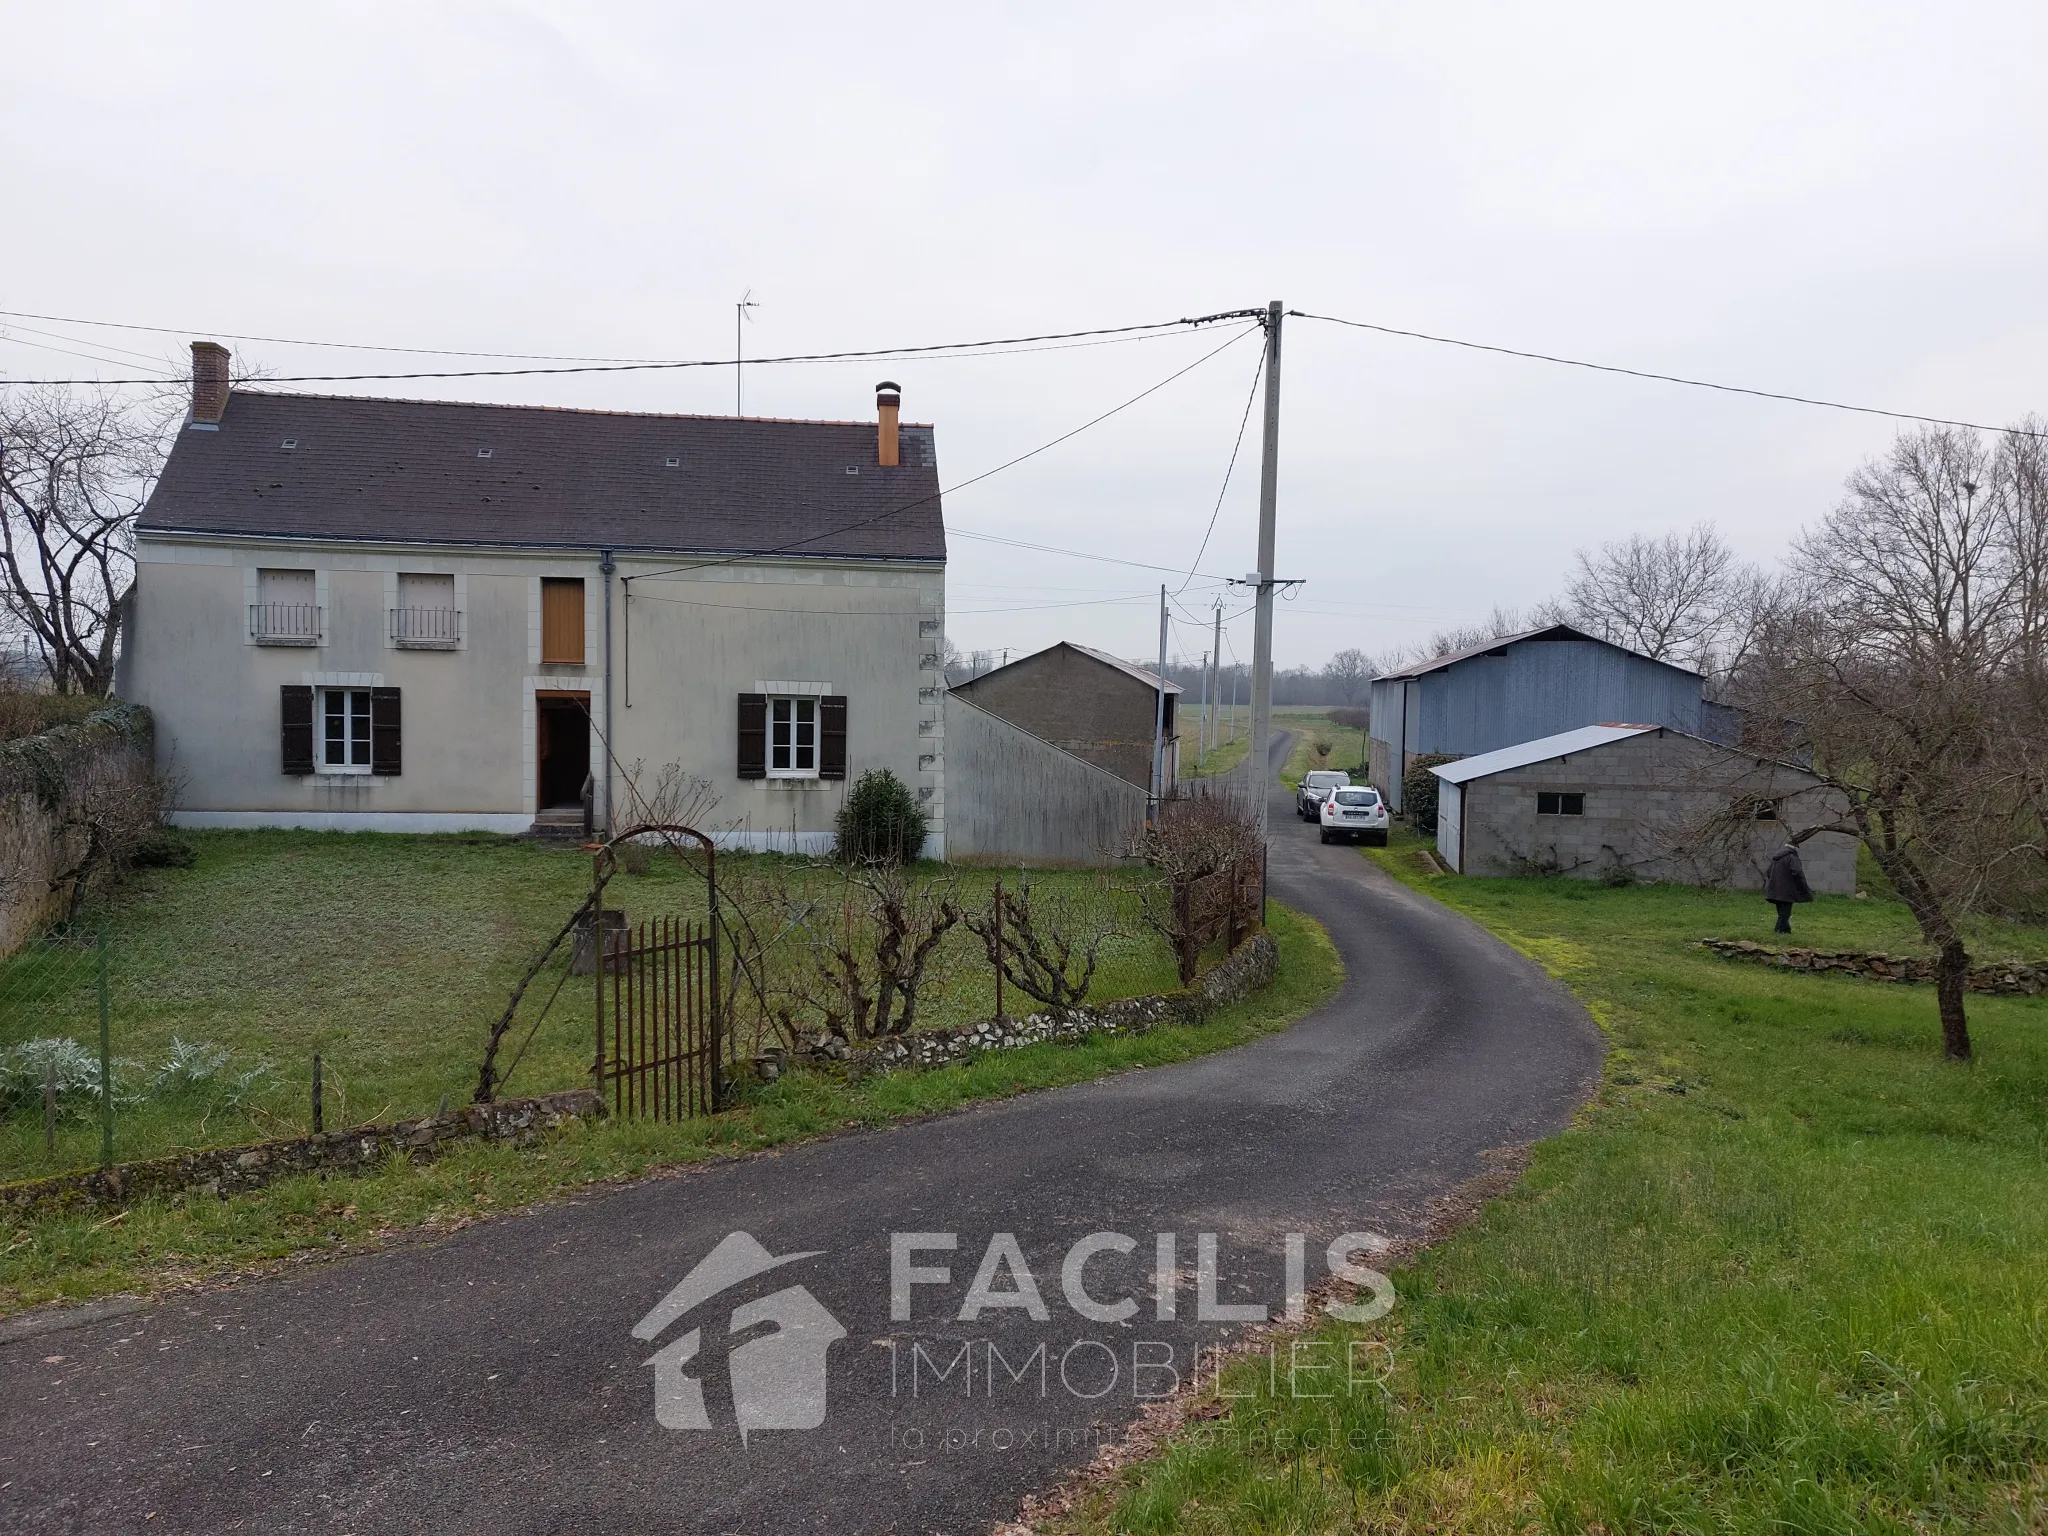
x=44 y=782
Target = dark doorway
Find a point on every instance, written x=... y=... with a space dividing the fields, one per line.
x=564 y=747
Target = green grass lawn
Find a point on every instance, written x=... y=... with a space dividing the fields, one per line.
x=1319 y=743
x=1786 y=1273
x=155 y=1244
x=390 y=956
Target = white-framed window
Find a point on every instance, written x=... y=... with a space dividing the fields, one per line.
x=344 y=730
x=792 y=738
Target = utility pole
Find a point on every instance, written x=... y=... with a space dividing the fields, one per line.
x=1159 y=719
x=1262 y=633
x=1215 y=664
x=1202 y=720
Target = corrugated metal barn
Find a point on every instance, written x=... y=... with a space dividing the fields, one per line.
x=1520 y=687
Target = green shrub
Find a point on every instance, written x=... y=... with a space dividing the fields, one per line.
x=1418 y=791
x=164 y=852
x=881 y=820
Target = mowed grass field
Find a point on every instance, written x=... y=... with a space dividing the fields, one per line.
x=391 y=956
x=1788 y=1272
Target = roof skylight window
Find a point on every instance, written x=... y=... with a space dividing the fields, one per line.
x=291 y=442
x=483 y=453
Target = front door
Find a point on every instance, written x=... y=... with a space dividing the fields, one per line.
x=563 y=748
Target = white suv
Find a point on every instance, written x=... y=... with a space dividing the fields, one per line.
x=1355 y=812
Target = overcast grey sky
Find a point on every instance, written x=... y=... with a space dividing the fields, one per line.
x=1843 y=200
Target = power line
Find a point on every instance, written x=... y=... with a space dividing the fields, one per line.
x=968 y=348
x=907 y=506
x=1229 y=469
x=1078 y=554
x=1665 y=378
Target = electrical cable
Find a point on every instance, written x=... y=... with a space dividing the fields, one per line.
x=971 y=348
x=1078 y=554
x=1666 y=378
x=951 y=490
x=1229 y=469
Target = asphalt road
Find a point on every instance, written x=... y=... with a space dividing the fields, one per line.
x=492 y=1382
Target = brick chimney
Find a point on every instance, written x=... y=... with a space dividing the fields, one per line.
x=209 y=383
x=888 y=400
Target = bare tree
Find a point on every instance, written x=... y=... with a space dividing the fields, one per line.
x=1205 y=845
x=1899 y=672
x=870 y=962
x=1684 y=598
x=1348 y=673
x=1047 y=949
x=74 y=471
x=1464 y=637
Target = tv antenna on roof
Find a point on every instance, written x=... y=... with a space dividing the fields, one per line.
x=739 y=313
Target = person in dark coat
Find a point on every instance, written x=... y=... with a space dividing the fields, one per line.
x=1785 y=884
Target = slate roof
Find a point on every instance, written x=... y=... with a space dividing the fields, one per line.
x=1501 y=642
x=414 y=471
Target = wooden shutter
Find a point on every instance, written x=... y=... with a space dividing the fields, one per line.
x=297 y=700
x=385 y=757
x=561 y=620
x=832 y=736
x=753 y=735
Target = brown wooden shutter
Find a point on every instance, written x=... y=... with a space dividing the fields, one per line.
x=385 y=756
x=297 y=702
x=561 y=620
x=832 y=736
x=753 y=735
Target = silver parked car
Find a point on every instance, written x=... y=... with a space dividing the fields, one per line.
x=1308 y=801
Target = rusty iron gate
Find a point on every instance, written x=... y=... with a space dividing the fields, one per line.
x=656 y=1047
x=660 y=1042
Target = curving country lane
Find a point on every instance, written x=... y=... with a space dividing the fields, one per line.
x=491 y=1381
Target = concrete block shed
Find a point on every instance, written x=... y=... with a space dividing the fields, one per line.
x=1659 y=803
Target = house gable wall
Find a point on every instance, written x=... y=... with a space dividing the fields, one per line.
x=1099 y=713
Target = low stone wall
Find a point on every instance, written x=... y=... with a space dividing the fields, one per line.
x=1249 y=967
x=51 y=787
x=2012 y=978
x=231 y=1170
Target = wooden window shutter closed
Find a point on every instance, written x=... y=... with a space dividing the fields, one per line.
x=832 y=736
x=298 y=728
x=753 y=735
x=561 y=620
x=385 y=756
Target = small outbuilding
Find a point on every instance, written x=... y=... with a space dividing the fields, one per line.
x=1087 y=703
x=1517 y=688
x=1641 y=802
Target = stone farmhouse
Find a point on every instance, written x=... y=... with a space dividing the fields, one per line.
x=404 y=615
